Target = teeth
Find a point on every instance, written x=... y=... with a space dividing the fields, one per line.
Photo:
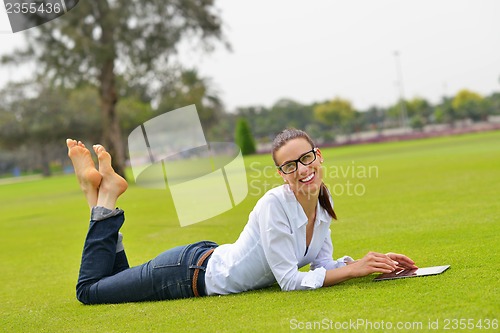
x=304 y=180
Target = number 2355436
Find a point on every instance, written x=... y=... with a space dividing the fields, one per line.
x=470 y=324
x=33 y=8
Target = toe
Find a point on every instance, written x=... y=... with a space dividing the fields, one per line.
x=99 y=149
x=70 y=143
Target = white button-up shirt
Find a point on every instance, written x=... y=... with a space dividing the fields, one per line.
x=272 y=247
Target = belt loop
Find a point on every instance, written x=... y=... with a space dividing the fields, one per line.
x=197 y=271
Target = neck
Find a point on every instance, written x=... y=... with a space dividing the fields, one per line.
x=309 y=203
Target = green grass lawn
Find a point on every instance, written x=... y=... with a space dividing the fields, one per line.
x=436 y=200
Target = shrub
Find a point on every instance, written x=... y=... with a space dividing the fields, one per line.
x=243 y=137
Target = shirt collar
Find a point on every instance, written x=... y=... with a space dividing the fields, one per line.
x=299 y=216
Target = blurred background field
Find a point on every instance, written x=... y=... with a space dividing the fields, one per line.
x=350 y=72
x=435 y=200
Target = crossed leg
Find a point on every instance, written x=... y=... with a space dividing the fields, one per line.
x=103 y=187
x=86 y=173
x=103 y=254
x=112 y=185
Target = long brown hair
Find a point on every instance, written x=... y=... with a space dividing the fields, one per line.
x=292 y=133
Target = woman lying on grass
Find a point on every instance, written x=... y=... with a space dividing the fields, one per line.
x=288 y=229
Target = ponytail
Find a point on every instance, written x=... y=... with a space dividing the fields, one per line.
x=324 y=201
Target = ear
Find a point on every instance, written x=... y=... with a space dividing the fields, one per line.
x=282 y=175
x=320 y=156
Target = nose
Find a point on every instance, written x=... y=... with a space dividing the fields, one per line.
x=301 y=169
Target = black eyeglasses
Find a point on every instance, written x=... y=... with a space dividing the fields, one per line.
x=304 y=159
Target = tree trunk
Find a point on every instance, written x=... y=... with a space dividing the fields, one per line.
x=111 y=132
x=45 y=160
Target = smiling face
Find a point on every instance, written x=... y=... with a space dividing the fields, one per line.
x=307 y=179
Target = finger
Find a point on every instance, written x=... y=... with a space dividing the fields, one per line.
x=382 y=269
x=407 y=262
x=403 y=260
x=380 y=261
x=400 y=257
x=380 y=266
x=409 y=266
x=387 y=261
x=380 y=257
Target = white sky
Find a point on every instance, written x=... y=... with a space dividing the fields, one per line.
x=318 y=49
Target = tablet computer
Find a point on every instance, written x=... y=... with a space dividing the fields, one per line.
x=406 y=273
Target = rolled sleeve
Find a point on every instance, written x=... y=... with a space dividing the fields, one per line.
x=325 y=256
x=314 y=279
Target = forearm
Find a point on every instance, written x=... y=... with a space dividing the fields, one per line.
x=337 y=275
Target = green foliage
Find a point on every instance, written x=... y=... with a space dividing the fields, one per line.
x=186 y=87
x=243 y=137
x=101 y=42
x=494 y=103
x=140 y=36
x=35 y=125
x=289 y=113
x=448 y=214
x=439 y=115
x=417 y=122
x=133 y=112
x=337 y=113
x=419 y=108
x=267 y=122
x=375 y=117
x=469 y=104
x=41 y=117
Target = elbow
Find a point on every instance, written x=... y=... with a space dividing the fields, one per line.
x=288 y=285
x=287 y=288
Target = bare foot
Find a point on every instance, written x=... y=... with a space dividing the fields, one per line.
x=88 y=176
x=112 y=184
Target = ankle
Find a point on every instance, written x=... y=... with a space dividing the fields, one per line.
x=119 y=243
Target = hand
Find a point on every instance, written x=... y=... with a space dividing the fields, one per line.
x=402 y=260
x=373 y=262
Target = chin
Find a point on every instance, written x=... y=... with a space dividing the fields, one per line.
x=308 y=189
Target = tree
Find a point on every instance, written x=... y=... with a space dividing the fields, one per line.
x=444 y=112
x=243 y=137
x=11 y=114
x=374 y=117
x=419 y=111
x=337 y=113
x=35 y=119
x=289 y=113
x=40 y=117
x=494 y=103
x=258 y=118
x=186 y=87
x=98 y=40
x=417 y=122
x=469 y=104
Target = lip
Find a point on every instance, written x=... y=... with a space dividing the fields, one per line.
x=309 y=178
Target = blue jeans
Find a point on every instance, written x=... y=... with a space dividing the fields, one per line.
x=105 y=276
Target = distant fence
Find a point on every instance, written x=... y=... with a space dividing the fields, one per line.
x=402 y=134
